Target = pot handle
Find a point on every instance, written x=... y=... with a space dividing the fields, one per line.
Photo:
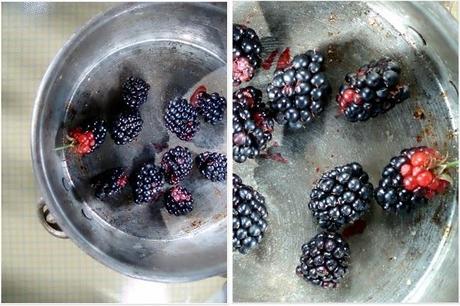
x=47 y=220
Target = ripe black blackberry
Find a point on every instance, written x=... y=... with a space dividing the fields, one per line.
x=252 y=126
x=246 y=53
x=249 y=216
x=148 y=183
x=126 y=126
x=134 y=92
x=177 y=164
x=299 y=92
x=110 y=182
x=212 y=165
x=341 y=196
x=211 y=107
x=181 y=118
x=374 y=89
x=178 y=201
x=324 y=260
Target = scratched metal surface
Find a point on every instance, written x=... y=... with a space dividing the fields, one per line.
x=174 y=55
x=397 y=258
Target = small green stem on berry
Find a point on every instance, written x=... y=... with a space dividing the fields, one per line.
x=453 y=164
x=64 y=147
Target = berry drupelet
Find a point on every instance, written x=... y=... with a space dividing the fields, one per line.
x=341 y=196
x=126 y=127
x=211 y=107
x=246 y=53
x=86 y=139
x=252 y=126
x=299 y=92
x=178 y=201
x=412 y=178
x=148 y=183
x=110 y=182
x=249 y=216
x=134 y=92
x=177 y=164
x=181 y=118
x=324 y=260
x=212 y=165
x=374 y=89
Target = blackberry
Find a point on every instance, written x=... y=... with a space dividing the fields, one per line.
x=324 y=260
x=299 y=92
x=126 y=127
x=87 y=138
x=374 y=89
x=211 y=107
x=246 y=53
x=212 y=165
x=177 y=164
x=252 y=125
x=249 y=216
x=110 y=182
x=178 y=201
x=412 y=178
x=148 y=183
x=181 y=118
x=341 y=196
x=134 y=92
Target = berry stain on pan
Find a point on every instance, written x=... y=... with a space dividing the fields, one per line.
x=275 y=157
x=196 y=94
x=268 y=62
x=354 y=229
x=284 y=59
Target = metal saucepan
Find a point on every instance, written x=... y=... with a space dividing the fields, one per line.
x=174 y=47
x=397 y=258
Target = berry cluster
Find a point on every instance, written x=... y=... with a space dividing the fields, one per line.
x=246 y=53
x=324 y=260
x=88 y=138
x=148 y=180
x=177 y=164
x=178 y=201
x=212 y=165
x=299 y=92
x=110 y=182
x=135 y=92
x=127 y=124
x=341 y=196
x=181 y=116
x=252 y=125
x=211 y=107
x=147 y=183
x=181 y=119
x=249 y=216
x=374 y=89
x=412 y=178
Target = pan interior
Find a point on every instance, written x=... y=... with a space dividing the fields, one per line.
x=173 y=69
x=390 y=258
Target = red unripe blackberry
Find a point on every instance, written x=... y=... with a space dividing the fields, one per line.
x=86 y=139
x=412 y=178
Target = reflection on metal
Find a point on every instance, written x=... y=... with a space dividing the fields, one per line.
x=48 y=221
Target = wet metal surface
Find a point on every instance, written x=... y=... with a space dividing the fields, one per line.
x=396 y=258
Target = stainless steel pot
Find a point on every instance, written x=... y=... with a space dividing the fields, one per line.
x=397 y=258
x=175 y=47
